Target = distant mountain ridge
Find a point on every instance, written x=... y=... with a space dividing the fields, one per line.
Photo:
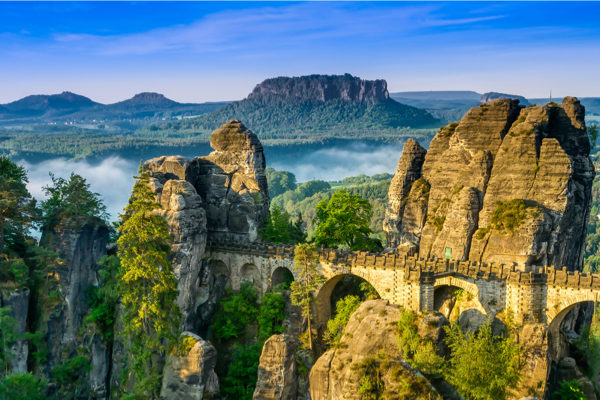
x=142 y=109
x=310 y=108
x=439 y=95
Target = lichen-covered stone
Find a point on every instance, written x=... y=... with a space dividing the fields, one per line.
x=277 y=370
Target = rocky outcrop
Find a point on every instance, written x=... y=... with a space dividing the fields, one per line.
x=231 y=183
x=189 y=372
x=323 y=88
x=61 y=315
x=500 y=161
x=369 y=336
x=277 y=371
x=18 y=302
x=408 y=171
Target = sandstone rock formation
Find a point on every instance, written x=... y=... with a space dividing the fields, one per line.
x=408 y=171
x=80 y=245
x=18 y=302
x=231 y=183
x=486 y=97
x=499 y=161
x=277 y=371
x=190 y=376
x=370 y=331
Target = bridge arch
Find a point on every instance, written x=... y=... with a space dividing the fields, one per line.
x=323 y=298
x=281 y=275
x=469 y=287
x=556 y=314
x=251 y=273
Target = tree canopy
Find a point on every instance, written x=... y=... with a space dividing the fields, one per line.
x=17 y=208
x=280 y=182
x=344 y=220
x=279 y=227
x=71 y=198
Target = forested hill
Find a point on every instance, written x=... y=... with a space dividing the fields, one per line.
x=309 y=109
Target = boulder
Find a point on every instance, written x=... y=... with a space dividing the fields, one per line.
x=369 y=337
x=277 y=371
x=189 y=373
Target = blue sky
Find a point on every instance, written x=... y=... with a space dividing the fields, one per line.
x=210 y=51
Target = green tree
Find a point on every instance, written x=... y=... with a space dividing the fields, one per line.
x=592 y=131
x=235 y=312
x=483 y=366
x=242 y=374
x=21 y=385
x=17 y=207
x=344 y=309
x=280 y=182
x=147 y=285
x=8 y=337
x=279 y=227
x=71 y=198
x=306 y=261
x=270 y=315
x=343 y=220
x=103 y=298
x=569 y=390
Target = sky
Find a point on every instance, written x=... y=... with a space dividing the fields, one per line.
x=216 y=51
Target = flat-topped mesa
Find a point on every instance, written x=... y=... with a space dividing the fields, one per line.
x=506 y=184
x=231 y=182
x=323 y=88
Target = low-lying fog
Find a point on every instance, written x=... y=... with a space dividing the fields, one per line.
x=112 y=176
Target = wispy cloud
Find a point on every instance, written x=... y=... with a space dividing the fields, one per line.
x=291 y=25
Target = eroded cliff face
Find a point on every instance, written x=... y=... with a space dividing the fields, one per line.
x=18 y=302
x=231 y=182
x=64 y=305
x=470 y=183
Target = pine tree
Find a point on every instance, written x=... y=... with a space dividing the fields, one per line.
x=306 y=263
x=147 y=285
x=17 y=207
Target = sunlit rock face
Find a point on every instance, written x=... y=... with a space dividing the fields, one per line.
x=231 y=182
x=499 y=152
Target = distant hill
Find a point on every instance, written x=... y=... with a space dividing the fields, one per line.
x=439 y=95
x=311 y=108
x=142 y=109
x=495 y=95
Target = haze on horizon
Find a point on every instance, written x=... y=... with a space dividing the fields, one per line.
x=215 y=51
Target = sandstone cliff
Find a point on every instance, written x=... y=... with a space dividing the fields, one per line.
x=277 y=371
x=63 y=306
x=18 y=302
x=506 y=184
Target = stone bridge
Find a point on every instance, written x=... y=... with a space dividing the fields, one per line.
x=526 y=294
